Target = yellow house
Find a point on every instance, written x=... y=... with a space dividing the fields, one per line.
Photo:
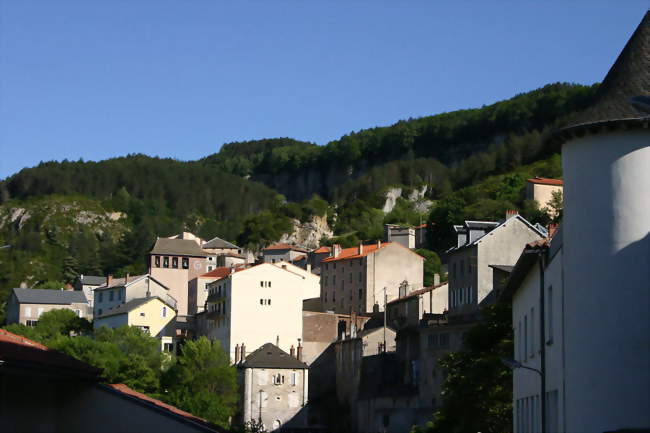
x=152 y=314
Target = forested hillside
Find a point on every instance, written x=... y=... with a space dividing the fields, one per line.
x=470 y=163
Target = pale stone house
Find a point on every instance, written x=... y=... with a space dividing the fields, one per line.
x=541 y=190
x=282 y=252
x=253 y=306
x=274 y=387
x=25 y=306
x=87 y=284
x=175 y=262
x=198 y=287
x=154 y=315
x=481 y=244
x=359 y=279
x=118 y=291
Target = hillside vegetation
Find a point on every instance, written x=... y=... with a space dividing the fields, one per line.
x=471 y=163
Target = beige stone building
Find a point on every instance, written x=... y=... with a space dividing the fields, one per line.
x=254 y=306
x=175 y=262
x=356 y=279
x=274 y=387
x=153 y=315
x=25 y=306
x=541 y=190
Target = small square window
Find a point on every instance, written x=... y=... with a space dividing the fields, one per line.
x=157 y=261
x=165 y=262
x=174 y=262
x=186 y=263
x=142 y=314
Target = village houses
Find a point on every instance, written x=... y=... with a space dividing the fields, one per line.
x=25 y=306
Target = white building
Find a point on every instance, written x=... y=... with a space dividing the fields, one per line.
x=254 y=306
x=311 y=283
x=118 y=291
x=601 y=345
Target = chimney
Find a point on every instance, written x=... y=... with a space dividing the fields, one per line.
x=378 y=244
x=336 y=250
x=277 y=340
x=360 y=249
x=510 y=213
x=308 y=267
x=292 y=352
x=284 y=266
x=436 y=279
x=126 y=278
x=236 y=353
x=299 y=355
x=242 y=353
x=109 y=280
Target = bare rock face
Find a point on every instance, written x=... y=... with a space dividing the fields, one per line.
x=391 y=199
x=309 y=234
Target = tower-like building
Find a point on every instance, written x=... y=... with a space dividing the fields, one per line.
x=606 y=229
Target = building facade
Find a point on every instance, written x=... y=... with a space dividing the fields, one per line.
x=25 y=306
x=359 y=279
x=118 y=291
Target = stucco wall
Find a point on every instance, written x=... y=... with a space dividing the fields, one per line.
x=33 y=311
x=151 y=314
x=607 y=297
x=177 y=279
x=279 y=404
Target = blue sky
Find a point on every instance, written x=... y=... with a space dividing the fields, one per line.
x=178 y=78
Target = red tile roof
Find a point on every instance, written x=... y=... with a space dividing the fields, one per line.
x=22 y=351
x=299 y=258
x=353 y=253
x=223 y=271
x=322 y=250
x=284 y=247
x=545 y=181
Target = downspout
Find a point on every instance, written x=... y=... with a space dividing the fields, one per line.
x=542 y=342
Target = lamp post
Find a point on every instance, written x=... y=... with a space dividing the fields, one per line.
x=512 y=364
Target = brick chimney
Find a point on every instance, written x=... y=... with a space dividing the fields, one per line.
x=126 y=278
x=299 y=353
x=292 y=351
x=109 y=280
x=336 y=250
x=236 y=353
x=360 y=249
x=510 y=213
x=242 y=353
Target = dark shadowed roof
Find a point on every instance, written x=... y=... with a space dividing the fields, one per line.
x=178 y=247
x=627 y=78
x=504 y=268
x=271 y=356
x=44 y=296
x=20 y=352
x=219 y=243
x=92 y=280
x=617 y=99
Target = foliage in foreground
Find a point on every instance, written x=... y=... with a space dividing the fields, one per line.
x=200 y=381
x=477 y=392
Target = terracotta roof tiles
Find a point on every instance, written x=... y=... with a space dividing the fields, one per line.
x=546 y=181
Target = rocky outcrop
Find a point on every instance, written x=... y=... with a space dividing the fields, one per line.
x=391 y=199
x=308 y=234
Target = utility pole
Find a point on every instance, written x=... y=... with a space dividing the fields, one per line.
x=385 y=302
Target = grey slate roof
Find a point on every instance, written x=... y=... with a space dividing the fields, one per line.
x=129 y=306
x=271 y=356
x=217 y=242
x=627 y=78
x=92 y=280
x=44 y=296
x=177 y=247
x=121 y=282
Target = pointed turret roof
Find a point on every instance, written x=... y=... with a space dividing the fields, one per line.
x=629 y=77
x=624 y=95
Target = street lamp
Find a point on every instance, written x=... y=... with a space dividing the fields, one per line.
x=513 y=365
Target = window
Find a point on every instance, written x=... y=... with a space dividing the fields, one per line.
x=32 y=323
x=269 y=284
x=186 y=262
x=165 y=262
x=350 y=276
x=142 y=314
x=77 y=312
x=174 y=262
x=549 y=315
x=163 y=312
x=101 y=297
x=119 y=294
x=334 y=265
x=360 y=277
x=272 y=260
x=99 y=312
x=157 y=261
x=360 y=293
x=269 y=301
x=168 y=347
x=261 y=283
x=110 y=295
x=443 y=339
x=532 y=332
x=294 y=379
x=261 y=301
x=334 y=296
x=278 y=379
x=518 y=340
x=432 y=341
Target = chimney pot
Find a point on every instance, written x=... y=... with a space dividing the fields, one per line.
x=336 y=250
x=126 y=278
x=236 y=353
x=436 y=279
x=378 y=244
x=510 y=213
x=360 y=249
x=242 y=353
x=109 y=280
x=292 y=351
x=299 y=356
